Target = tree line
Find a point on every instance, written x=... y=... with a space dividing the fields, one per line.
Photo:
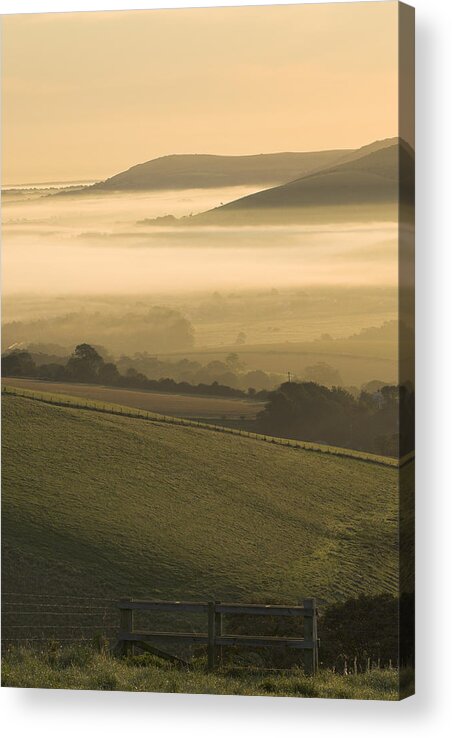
x=299 y=410
x=86 y=365
x=371 y=422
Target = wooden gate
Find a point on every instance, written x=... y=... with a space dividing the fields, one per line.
x=215 y=637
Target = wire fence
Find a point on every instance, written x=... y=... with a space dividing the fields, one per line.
x=36 y=617
x=112 y=409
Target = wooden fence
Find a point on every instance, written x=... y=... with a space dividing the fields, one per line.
x=215 y=638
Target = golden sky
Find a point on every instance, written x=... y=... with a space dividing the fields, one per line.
x=86 y=95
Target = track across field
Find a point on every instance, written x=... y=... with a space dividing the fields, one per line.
x=181 y=406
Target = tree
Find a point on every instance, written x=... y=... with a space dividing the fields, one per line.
x=108 y=374
x=18 y=364
x=258 y=379
x=85 y=363
x=233 y=362
x=323 y=373
x=365 y=627
x=134 y=378
x=57 y=372
x=309 y=411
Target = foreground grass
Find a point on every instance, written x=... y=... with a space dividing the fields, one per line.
x=82 y=668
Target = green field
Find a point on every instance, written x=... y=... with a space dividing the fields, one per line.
x=95 y=503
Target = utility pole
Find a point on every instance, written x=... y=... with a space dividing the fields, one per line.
x=288 y=376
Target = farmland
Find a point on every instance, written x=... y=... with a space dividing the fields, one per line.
x=183 y=406
x=120 y=506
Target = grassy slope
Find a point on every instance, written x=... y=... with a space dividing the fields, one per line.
x=84 y=401
x=363 y=187
x=94 y=502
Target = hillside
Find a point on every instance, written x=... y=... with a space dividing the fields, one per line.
x=363 y=185
x=187 y=171
x=118 y=506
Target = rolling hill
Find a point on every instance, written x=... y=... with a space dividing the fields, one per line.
x=363 y=185
x=187 y=171
x=116 y=506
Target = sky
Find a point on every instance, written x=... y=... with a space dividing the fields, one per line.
x=86 y=95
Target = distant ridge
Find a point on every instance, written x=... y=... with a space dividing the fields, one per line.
x=187 y=171
x=363 y=184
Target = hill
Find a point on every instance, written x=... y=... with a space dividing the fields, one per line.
x=187 y=171
x=364 y=185
x=98 y=503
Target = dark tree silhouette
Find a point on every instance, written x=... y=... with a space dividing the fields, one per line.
x=84 y=364
x=18 y=364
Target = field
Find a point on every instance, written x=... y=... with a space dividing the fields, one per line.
x=82 y=668
x=182 y=406
x=117 y=506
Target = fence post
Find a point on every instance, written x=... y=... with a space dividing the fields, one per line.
x=218 y=632
x=310 y=655
x=126 y=627
x=211 y=636
x=315 y=636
